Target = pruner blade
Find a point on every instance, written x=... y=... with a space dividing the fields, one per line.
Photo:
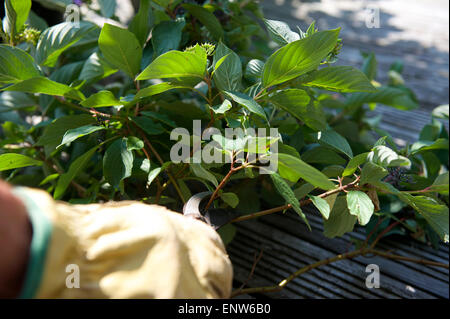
x=215 y=217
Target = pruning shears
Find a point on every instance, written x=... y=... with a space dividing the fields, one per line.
x=215 y=217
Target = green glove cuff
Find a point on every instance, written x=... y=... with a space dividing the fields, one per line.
x=42 y=230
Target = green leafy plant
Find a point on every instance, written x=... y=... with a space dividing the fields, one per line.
x=87 y=113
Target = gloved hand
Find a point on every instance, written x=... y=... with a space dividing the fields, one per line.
x=123 y=250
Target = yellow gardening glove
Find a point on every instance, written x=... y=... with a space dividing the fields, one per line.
x=123 y=250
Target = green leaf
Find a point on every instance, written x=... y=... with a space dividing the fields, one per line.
x=432 y=164
x=322 y=155
x=331 y=200
x=96 y=67
x=43 y=85
x=431 y=132
x=107 y=7
x=322 y=205
x=54 y=132
x=227 y=233
x=227 y=76
x=120 y=48
x=157 y=89
x=153 y=174
x=49 y=178
x=207 y=18
x=68 y=73
x=36 y=22
x=389 y=96
x=258 y=144
x=354 y=163
x=339 y=79
x=287 y=149
x=73 y=134
x=369 y=66
x=148 y=125
x=303 y=190
x=57 y=39
x=298 y=103
x=293 y=168
x=101 y=99
x=166 y=36
x=298 y=57
x=142 y=22
x=175 y=64
x=13 y=160
x=10 y=101
x=372 y=173
x=231 y=144
x=340 y=220
x=380 y=141
x=421 y=146
x=222 y=108
x=117 y=162
x=360 y=205
x=333 y=170
x=230 y=198
x=16 y=13
x=441 y=112
x=134 y=143
x=219 y=63
x=247 y=102
x=160 y=117
x=333 y=140
x=280 y=32
x=163 y=3
x=286 y=192
x=15 y=65
x=201 y=172
x=384 y=156
x=75 y=168
x=440 y=184
x=434 y=213
x=253 y=70
x=310 y=31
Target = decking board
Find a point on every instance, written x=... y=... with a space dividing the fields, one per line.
x=287 y=246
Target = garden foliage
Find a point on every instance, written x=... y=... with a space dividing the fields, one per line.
x=86 y=114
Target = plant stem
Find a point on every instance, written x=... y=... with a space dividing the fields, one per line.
x=386 y=230
x=285 y=281
x=158 y=157
x=222 y=184
x=201 y=94
x=138 y=87
x=417 y=261
x=349 y=255
x=79 y=108
x=302 y=203
x=211 y=122
x=425 y=190
x=72 y=105
x=359 y=252
x=258 y=94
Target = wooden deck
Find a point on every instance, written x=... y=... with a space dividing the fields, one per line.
x=287 y=245
x=417 y=33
